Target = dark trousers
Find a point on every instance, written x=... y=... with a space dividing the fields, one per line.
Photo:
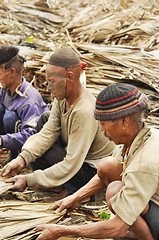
x=152 y=219
x=56 y=154
x=9 y=123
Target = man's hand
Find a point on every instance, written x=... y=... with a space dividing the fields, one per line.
x=49 y=232
x=19 y=181
x=69 y=202
x=13 y=168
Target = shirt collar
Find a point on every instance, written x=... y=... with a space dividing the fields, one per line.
x=17 y=90
x=141 y=137
x=22 y=89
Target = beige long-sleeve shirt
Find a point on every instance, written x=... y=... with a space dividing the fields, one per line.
x=83 y=138
x=141 y=176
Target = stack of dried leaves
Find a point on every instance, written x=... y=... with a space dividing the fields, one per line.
x=18 y=219
x=118 y=39
x=4 y=186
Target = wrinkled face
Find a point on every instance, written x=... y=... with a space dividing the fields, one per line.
x=5 y=77
x=57 y=78
x=113 y=130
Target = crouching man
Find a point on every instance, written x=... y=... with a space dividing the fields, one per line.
x=131 y=175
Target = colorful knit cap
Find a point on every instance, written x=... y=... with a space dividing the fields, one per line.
x=119 y=100
x=65 y=57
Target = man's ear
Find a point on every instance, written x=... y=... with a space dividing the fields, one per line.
x=70 y=77
x=125 y=121
x=13 y=71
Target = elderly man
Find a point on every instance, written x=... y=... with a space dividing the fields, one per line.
x=73 y=162
x=132 y=174
x=21 y=104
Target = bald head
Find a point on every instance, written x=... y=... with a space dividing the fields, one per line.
x=65 y=57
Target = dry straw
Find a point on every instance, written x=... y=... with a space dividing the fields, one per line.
x=18 y=218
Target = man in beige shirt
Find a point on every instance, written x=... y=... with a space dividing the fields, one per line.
x=131 y=175
x=71 y=118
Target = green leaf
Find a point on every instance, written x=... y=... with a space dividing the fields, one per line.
x=104 y=215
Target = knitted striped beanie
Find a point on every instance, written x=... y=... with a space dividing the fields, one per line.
x=119 y=100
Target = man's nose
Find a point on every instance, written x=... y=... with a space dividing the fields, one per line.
x=102 y=128
x=50 y=86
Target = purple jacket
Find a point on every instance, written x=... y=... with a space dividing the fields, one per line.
x=29 y=106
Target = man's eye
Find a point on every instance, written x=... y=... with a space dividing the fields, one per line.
x=50 y=85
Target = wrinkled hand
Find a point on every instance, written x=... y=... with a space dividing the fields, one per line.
x=69 y=203
x=49 y=232
x=19 y=181
x=13 y=168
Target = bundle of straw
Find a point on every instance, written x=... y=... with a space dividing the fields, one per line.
x=4 y=186
x=18 y=218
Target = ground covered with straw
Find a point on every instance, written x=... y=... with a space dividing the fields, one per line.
x=118 y=39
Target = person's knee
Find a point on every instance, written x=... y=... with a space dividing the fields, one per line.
x=109 y=169
x=112 y=189
x=9 y=120
x=105 y=165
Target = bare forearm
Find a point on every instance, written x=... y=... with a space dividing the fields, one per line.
x=100 y=230
x=71 y=202
x=93 y=186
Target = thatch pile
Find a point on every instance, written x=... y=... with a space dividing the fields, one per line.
x=4 y=186
x=18 y=219
x=118 y=39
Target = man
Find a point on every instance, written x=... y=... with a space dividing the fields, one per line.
x=73 y=161
x=20 y=103
x=132 y=174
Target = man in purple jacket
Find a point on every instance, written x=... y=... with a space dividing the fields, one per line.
x=20 y=103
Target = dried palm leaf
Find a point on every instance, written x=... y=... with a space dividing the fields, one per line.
x=4 y=186
x=18 y=219
x=123 y=33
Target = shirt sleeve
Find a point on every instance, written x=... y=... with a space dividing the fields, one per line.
x=134 y=196
x=81 y=136
x=37 y=144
